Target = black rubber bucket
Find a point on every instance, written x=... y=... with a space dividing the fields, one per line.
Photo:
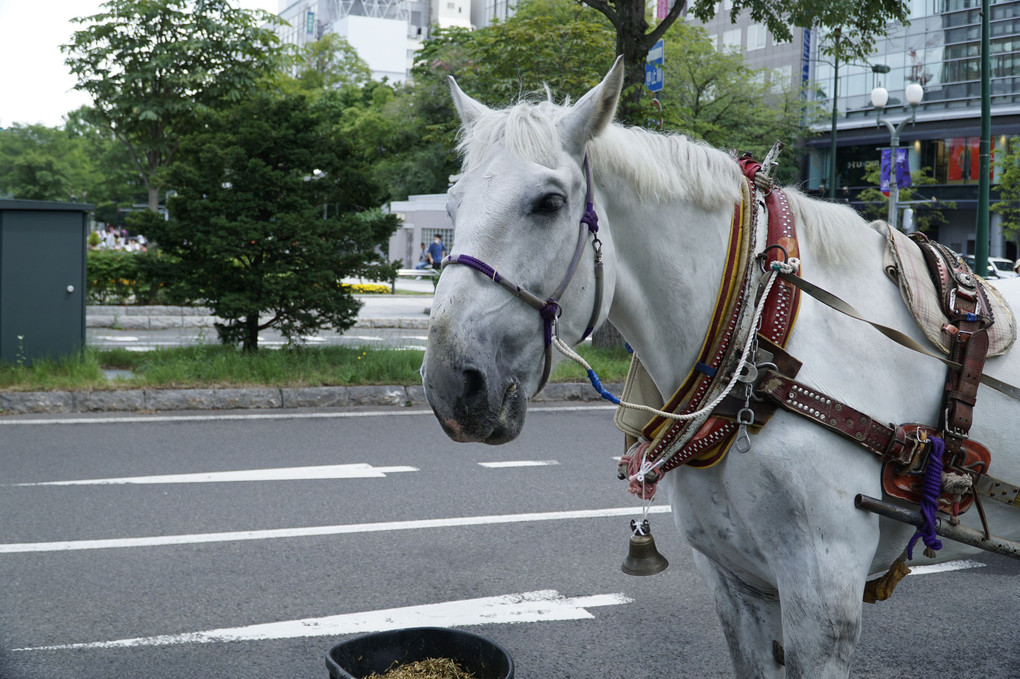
x=359 y=657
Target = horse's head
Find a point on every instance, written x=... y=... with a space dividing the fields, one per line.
x=516 y=209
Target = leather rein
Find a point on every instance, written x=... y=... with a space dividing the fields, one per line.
x=550 y=309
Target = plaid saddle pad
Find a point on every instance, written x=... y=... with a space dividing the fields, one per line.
x=905 y=264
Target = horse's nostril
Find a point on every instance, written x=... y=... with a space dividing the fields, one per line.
x=474 y=385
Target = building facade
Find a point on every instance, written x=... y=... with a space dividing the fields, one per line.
x=386 y=33
x=786 y=61
x=422 y=217
x=940 y=50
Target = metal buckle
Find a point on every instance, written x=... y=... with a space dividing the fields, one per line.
x=904 y=449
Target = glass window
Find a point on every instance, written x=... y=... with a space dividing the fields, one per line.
x=781 y=77
x=756 y=37
x=731 y=38
x=962 y=157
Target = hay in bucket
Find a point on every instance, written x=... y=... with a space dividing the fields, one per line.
x=431 y=668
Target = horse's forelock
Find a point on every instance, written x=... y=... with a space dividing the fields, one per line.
x=528 y=130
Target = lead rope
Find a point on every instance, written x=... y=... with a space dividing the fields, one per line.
x=776 y=268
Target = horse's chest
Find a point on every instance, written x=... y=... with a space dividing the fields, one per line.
x=720 y=524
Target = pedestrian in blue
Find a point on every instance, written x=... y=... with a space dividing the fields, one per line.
x=436 y=252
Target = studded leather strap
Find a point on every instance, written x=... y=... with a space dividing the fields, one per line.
x=886 y=440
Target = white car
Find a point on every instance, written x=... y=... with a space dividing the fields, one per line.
x=1004 y=267
x=998 y=267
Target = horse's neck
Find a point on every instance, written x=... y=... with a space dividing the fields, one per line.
x=669 y=261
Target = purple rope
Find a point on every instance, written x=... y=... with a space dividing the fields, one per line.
x=591 y=218
x=930 y=500
x=475 y=264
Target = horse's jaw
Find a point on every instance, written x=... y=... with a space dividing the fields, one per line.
x=474 y=399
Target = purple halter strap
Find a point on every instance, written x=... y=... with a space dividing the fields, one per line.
x=549 y=309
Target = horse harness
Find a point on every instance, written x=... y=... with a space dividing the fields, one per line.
x=770 y=372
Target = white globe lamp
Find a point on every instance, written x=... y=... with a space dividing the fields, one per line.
x=879 y=97
x=914 y=94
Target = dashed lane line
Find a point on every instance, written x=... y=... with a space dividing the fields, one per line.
x=335 y=471
x=538 y=606
x=315 y=531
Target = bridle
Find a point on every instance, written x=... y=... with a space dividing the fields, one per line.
x=550 y=309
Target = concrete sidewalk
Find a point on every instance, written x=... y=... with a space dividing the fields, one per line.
x=406 y=309
x=392 y=321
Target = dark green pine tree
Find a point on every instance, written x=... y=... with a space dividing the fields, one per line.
x=271 y=213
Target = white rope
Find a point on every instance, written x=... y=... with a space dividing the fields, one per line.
x=790 y=266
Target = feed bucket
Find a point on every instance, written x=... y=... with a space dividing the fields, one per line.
x=377 y=652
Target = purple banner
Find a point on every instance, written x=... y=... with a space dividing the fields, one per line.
x=902 y=169
x=883 y=183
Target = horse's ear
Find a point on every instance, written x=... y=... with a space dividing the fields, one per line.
x=468 y=109
x=595 y=110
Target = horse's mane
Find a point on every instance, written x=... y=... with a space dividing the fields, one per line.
x=658 y=167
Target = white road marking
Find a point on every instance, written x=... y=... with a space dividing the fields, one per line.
x=518 y=463
x=539 y=606
x=335 y=471
x=947 y=566
x=220 y=416
x=111 y=338
x=315 y=531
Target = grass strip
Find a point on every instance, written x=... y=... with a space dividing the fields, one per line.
x=217 y=366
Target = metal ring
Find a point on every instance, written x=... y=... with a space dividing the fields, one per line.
x=761 y=257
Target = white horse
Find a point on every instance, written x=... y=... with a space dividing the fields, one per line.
x=775 y=533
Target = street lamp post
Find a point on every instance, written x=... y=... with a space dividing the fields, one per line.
x=879 y=98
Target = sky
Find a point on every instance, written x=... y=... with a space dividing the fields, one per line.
x=35 y=85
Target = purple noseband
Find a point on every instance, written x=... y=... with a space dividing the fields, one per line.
x=549 y=309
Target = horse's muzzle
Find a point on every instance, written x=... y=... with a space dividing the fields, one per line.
x=471 y=406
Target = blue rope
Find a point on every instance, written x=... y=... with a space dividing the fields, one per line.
x=603 y=392
x=930 y=501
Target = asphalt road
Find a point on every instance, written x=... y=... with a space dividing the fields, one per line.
x=124 y=580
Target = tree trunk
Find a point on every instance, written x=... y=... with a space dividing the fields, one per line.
x=607 y=337
x=153 y=192
x=632 y=43
x=251 y=334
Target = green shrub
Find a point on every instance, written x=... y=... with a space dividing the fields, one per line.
x=116 y=277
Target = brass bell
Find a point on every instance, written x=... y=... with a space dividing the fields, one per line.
x=642 y=557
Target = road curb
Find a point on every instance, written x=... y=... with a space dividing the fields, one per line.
x=141 y=400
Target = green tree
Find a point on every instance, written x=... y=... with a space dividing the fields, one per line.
x=719 y=98
x=272 y=211
x=81 y=162
x=553 y=45
x=548 y=45
x=113 y=181
x=1008 y=205
x=635 y=35
x=39 y=163
x=330 y=63
x=927 y=215
x=150 y=65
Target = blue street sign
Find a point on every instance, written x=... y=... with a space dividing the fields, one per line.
x=654 y=74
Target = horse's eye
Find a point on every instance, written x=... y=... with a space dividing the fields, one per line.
x=550 y=203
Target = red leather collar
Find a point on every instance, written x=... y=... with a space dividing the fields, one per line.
x=709 y=444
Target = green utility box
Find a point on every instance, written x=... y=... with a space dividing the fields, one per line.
x=42 y=279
